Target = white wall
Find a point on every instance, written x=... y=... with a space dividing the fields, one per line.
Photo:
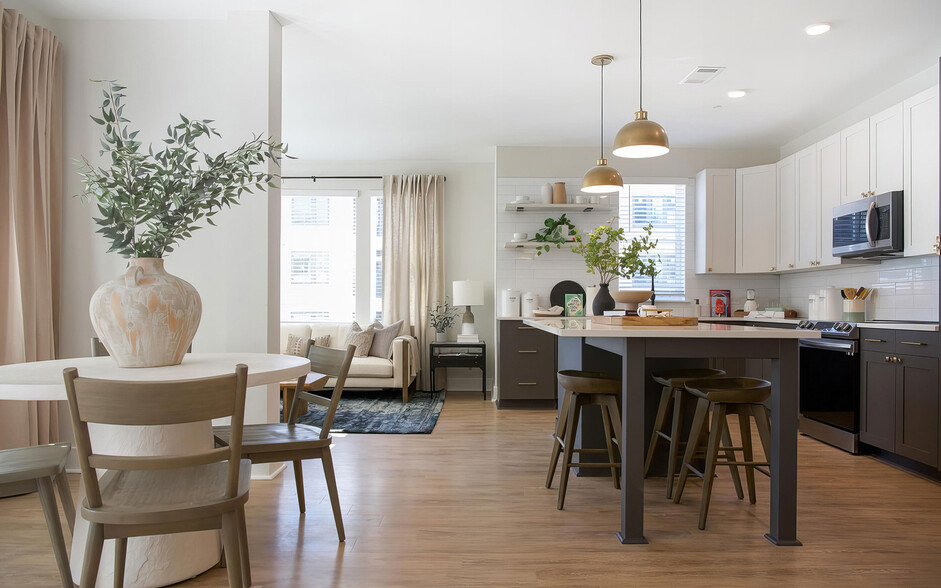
x=468 y=223
x=227 y=70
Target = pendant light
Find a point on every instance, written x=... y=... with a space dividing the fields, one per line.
x=641 y=137
x=602 y=178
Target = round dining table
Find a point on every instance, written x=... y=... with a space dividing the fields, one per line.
x=158 y=560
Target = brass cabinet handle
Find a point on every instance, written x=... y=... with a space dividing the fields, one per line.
x=709 y=269
x=770 y=268
x=920 y=344
x=527 y=351
x=887 y=358
x=790 y=265
x=874 y=340
x=526 y=383
x=526 y=328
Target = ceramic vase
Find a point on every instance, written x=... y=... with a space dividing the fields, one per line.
x=441 y=337
x=558 y=193
x=147 y=317
x=545 y=194
x=603 y=301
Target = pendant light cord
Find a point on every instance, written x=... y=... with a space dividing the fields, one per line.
x=602 y=110
x=640 y=37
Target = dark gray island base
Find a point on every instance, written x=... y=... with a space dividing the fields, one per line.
x=629 y=351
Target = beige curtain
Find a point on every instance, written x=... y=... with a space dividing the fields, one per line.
x=413 y=254
x=30 y=188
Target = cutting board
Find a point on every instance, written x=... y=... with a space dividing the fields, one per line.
x=647 y=321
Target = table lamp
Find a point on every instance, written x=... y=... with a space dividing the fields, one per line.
x=468 y=293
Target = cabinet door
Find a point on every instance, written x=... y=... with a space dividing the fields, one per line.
x=787 y=214
x=920 y=177
x=916 y=408
x=877 y=401
x=885 y=150
x=808 y=208
x=830 y=188
x=715 y=221
x=755 y=219
x=854 y=151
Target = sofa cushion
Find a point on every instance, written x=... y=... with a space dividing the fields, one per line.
x=301 y=330
x=370 y=367
x=297 y=346
x=321 y=341
x=359 y=338
x=382 y=340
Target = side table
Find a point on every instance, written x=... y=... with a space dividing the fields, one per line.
x=466 y=355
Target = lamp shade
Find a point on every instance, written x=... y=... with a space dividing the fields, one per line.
x=641 y=138
x=602 y=179
x=468 y=293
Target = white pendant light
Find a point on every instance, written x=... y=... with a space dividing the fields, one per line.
x=641 y=137
x=602 y=178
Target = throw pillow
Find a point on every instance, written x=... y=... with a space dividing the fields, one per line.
x=382 y=340
x=297 y=346
x=322 y=341
x=360 y=339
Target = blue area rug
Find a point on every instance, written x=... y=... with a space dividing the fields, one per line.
x=380 y=412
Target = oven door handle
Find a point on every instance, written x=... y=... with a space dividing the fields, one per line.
x=847 y=347
x=872 y=224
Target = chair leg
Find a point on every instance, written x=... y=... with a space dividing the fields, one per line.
x=120 y=557
x=93 y=546
x=665 y=396
x=675 y=427
x=730 y=456
x=51 y=511
x=571 y=428
x=243 y=547
x=712 y=451
x=230 y=541
x=65 y=496
x=299 y=482
x=763 y=424
x=327 y=460
x=744 y=428
x=695 y=432
x=608 y=434
x=614 y=411
x=559 y=434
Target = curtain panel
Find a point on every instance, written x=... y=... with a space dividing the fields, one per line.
x=30 y=189
x=413 y=255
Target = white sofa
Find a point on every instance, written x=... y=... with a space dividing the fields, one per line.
x=398 y=372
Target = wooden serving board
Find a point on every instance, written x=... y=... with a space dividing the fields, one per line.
x=647 y=321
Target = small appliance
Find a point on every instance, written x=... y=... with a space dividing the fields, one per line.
x=751 y=304
x=870 y=228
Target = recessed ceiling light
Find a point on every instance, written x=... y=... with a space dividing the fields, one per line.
x=736 y=93
x=818 y=28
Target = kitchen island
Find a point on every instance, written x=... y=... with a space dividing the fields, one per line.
x=579 y=341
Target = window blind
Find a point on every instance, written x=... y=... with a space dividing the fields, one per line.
x=663 y=206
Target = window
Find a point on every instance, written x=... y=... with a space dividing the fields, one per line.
x=663 y=206
x=331 y=268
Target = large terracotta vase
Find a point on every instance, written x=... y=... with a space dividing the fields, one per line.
x=147 y=317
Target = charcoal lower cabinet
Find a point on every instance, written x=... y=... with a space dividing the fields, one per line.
x=527 y=366
x=900 y=394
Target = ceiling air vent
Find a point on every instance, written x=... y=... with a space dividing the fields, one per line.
x=702 y=74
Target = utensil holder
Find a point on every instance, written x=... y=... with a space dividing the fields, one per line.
x=558 y=193
x=854 y=311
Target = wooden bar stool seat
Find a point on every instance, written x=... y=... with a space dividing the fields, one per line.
x=743 y=396
x=674 y=388
x=581 y=389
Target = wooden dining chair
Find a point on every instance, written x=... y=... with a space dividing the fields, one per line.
x=156 y=495
x=291 y=441
x=36 y=469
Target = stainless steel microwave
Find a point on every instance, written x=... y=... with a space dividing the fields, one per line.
x=869 y=228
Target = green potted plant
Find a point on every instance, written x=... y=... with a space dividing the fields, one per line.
x=555 y=231
x=442 y=318
x=149 y=200
x=605 y=258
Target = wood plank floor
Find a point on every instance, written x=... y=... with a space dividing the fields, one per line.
x=466 y=506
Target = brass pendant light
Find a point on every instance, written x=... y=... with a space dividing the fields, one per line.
x=602 y=178
x=641 y=137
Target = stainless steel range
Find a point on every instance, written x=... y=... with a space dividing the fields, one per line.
x=829 y=384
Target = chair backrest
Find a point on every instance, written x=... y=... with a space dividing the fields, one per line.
x=98 y=348
x=331 y=362
x=116 y=402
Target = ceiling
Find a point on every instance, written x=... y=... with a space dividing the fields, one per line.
x=446 y=79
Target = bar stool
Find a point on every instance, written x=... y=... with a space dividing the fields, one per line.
x=743 y=396
x=674 y=383
x=581 y=389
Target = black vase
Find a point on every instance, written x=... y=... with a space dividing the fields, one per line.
x=603 y=301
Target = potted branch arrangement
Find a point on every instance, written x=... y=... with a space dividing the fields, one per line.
x=555 y=232
x=149 y=200
x=442 y=318
x=605 y=258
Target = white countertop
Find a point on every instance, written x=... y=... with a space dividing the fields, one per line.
x=875 y=325
x=581 y=327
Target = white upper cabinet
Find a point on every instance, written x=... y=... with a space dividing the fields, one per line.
x=829 y=188
x=920 y=177
x=809 y=220
x=787 y=214
x=885 y=151
x=715 y=221
x=755 y=219
x=854 y=149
